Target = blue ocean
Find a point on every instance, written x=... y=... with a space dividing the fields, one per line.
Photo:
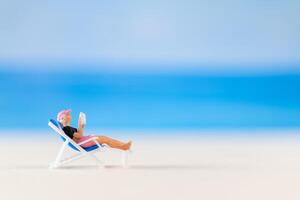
x=29 y=99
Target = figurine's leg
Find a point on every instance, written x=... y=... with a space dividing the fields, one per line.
x=113 y=142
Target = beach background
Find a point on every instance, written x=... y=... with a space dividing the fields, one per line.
x=208 y=91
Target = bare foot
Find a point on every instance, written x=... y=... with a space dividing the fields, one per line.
x=127 y=146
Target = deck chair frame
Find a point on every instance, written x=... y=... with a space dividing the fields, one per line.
x=59 y=160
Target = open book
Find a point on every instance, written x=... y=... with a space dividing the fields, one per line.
x=82 y=117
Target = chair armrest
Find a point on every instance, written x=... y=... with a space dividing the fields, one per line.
x=88 y=140
x=91 y=139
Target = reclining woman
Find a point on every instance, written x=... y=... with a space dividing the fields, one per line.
x=64 y=117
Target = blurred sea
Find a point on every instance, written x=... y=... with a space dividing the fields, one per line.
x=151 y=100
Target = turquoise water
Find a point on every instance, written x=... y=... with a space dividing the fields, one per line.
x=141 y=100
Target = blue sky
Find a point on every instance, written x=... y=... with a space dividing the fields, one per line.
x=151 y=36
x=202 y=33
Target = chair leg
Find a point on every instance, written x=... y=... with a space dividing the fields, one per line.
x=125 y=159
x=58 y=157
x=53 y=165
x=98 y=161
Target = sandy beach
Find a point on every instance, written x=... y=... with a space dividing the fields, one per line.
x=181 y=167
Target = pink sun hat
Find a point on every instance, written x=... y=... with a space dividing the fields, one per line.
x=62 y=114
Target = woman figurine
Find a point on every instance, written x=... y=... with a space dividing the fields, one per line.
x=64 y=117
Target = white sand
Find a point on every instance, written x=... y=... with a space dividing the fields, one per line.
x=220 y=168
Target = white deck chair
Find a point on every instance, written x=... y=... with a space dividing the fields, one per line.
x=80 y=151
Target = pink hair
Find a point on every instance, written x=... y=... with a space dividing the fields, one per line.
x=61 y=115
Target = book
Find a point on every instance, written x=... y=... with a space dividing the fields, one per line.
x=82 y=117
